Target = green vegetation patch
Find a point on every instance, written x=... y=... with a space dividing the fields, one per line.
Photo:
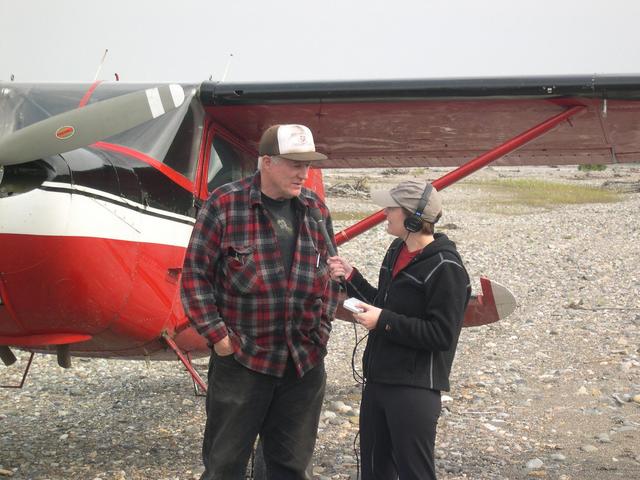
x=518 y=196
x=595 y=167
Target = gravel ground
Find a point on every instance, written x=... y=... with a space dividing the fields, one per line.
x=551 y=392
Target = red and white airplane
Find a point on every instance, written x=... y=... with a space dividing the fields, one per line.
x=100 y=184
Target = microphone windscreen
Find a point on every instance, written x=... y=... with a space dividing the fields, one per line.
x=316 y=214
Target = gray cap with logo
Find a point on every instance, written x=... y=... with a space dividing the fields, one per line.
x=408 y=194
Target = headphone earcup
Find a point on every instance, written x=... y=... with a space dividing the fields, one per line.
x=413 y=224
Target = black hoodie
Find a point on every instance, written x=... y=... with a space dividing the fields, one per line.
x=423 y=308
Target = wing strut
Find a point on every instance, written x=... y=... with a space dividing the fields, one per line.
x=468 y=168
x=186 y=362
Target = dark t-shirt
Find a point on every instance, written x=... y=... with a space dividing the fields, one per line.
x=285 y=223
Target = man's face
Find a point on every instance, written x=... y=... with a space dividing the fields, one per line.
x=282 y=178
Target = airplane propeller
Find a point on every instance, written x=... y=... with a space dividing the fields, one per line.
x=84 y=126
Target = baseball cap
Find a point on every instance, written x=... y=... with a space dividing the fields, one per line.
x=408 y=194
x=293 y=142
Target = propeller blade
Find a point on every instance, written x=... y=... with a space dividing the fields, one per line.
x=84 y=126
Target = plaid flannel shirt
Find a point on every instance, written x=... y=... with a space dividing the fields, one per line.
x=234 y=283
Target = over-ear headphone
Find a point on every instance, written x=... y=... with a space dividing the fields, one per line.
x=413 y=223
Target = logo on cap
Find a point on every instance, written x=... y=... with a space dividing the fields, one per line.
x=294 y=139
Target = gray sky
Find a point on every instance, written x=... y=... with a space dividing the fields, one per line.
x=280 y=40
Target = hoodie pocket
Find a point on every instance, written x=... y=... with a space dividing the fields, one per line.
x=391 y=361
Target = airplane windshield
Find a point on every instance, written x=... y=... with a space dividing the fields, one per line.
x=170 y=138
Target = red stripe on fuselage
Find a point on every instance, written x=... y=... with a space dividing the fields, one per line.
x=176 y=177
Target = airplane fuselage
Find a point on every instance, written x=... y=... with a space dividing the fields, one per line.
x=92 y=240
x=95 y=250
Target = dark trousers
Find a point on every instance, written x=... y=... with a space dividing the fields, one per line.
x=398 y=432
x=242 y=403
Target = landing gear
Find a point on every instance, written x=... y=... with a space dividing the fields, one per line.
x=8 y=358
x=3 y=352
x=186 y=362
x=64 y=355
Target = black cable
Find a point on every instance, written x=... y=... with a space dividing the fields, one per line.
x=360 y=380
x=355 y=450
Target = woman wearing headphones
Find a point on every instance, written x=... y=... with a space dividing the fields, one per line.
x=414 y=319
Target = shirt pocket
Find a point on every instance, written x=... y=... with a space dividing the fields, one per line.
x=240 y=270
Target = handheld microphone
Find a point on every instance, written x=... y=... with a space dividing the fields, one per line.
x=316 y=214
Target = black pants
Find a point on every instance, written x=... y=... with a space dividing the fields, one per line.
x=242 y=403
x=398 y=432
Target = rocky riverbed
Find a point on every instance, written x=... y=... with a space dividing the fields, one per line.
x=552 y=392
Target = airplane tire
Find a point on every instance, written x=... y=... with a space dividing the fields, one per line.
x=8 y=358
x=64 y=356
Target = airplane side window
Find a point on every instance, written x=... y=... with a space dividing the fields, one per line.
x=180 y=155
x=226 y=163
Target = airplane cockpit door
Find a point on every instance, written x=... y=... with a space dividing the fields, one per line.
x=226 y=159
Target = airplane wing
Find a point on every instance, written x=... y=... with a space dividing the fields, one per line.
x=444 y=122
x=441 y=122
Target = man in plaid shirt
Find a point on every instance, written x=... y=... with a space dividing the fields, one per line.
x=256 y=285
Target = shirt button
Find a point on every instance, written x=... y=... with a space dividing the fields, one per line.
x=387 y=327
